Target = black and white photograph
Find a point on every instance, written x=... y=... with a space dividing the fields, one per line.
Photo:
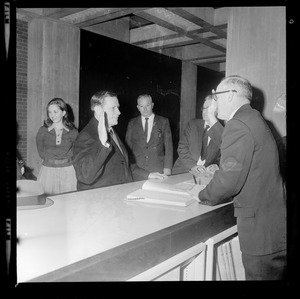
x=150 y=145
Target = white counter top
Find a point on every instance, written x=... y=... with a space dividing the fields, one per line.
x=79 y=225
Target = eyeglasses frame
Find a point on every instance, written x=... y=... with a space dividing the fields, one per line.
x=220 y=92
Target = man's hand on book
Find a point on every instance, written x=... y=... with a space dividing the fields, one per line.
x=157 y=175
x=194 y=192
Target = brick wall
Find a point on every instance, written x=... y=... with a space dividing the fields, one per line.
x=21 y=82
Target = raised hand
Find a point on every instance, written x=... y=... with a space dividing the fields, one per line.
x=101 y=116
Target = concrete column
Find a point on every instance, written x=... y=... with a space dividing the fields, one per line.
x=53 y=71
x=188 y=97
x=256 y=50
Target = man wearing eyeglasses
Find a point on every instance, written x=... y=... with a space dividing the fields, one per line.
x=249 y=173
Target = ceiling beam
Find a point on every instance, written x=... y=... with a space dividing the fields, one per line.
x=207 y=59
x=165 y=24
x=105 y=16
x=175 y=35
x=198 y=40
x=196 y=20
x=202 y=38
x=210 y=61
x=160 y=22
x=28 y=13
x=57 y=13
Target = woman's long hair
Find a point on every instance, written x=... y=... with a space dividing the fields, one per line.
x=63 y=107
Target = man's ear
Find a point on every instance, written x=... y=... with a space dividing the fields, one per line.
x=230 y=97
x=98 y=109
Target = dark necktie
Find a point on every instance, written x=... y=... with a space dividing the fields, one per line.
x=204 y=144
x=146 y=127
x=115 y=139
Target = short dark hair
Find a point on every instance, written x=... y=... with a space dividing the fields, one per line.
x=99 y=97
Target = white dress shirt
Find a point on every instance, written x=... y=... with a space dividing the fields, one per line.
x=233 y=113
x=150 y=125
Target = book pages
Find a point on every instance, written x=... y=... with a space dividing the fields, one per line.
x=161 y=193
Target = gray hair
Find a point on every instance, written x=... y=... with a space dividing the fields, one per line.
x=144 y=96
x=240 y=84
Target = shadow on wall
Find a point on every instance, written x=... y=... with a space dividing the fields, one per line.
x=70 y=114
x=258 y=99
x=258 y=102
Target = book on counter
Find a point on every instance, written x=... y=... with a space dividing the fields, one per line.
x=161 y=193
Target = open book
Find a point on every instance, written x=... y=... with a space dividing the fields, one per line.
x=161 y=193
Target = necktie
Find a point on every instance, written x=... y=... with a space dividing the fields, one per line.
x=113 y=136
x=146 y=127
x=204 y=144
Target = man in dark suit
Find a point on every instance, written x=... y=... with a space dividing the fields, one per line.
x=200 y=143
x=249 y=172
x=100 y=157
x=149 y=138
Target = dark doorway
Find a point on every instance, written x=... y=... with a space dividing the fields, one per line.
x=206 y=81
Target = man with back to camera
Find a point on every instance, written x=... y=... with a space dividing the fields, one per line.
x=195 y=151
x=249 y=172
x=100 y=157
x=149 y=138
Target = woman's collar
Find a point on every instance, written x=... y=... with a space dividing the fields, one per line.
x=53 y=127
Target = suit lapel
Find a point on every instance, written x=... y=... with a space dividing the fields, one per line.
x=93 y=129
x=124 y=154
x=200 y=131
x=212 y=150
x=154 y=127
x=139 y=129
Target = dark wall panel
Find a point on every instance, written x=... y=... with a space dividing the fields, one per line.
x=206 y=81
x=106 y=63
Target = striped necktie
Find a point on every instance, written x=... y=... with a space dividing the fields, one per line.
x=115 y=139
x=204 y=143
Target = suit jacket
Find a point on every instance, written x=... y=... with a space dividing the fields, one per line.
x=98 y=166
x=155 y=155
x=190 y=145
x=249 y=172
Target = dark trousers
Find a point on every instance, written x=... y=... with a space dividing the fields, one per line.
x=265 y=267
